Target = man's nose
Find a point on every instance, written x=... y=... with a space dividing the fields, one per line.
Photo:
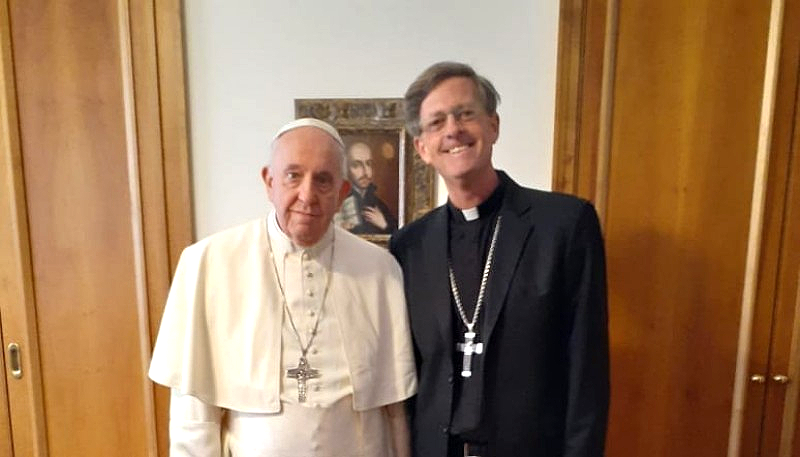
x=451 y=124
x=306 y=191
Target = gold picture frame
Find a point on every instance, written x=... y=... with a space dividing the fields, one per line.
x=401 y=183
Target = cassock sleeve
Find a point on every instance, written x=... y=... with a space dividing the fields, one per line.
x=194 y=427
x=588 y=389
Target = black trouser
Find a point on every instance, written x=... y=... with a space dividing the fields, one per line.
x=457 y=447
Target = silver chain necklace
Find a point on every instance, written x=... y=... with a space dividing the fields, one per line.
x=469 y=346
x=303 y=372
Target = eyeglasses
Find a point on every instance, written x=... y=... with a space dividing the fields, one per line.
x=461 y=115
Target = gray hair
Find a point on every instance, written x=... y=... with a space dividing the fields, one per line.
x=316 y=123
x=432 y=77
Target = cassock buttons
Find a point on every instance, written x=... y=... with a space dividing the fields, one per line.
x=310 y=293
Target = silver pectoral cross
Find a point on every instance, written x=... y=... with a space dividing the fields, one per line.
x=469 y=347
x=302 y=373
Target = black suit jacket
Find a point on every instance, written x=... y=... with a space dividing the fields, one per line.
x=544 y=375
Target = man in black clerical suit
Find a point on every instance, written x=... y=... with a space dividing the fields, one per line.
x=506 y=292
x=371 y=213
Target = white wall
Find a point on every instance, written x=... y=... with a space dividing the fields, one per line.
x=249 y=60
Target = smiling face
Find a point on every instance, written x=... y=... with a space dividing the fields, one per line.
x=359 y=165
x=457 y=134
x=305 y=184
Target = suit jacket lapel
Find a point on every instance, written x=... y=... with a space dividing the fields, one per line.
x=515 y=228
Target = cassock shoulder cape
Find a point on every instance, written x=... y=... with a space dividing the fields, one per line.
x=220 y=335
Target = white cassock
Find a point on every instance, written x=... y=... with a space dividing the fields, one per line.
x=225 y=344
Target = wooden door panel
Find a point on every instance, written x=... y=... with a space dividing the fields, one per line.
x=17 y=306
x=782 y=408
x=6 y=78
x=82 y=209
x=684 y=108
x=94 y=182
x=685 y=118
x=781 y=399
x=789 y=433
x=5 y=425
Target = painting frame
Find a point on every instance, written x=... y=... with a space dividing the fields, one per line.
x=365 y=117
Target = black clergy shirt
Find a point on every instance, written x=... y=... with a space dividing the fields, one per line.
x=468 y=248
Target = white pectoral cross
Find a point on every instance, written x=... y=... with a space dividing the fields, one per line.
x=302 y=373
x=468 y=347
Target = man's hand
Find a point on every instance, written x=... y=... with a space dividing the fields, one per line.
x=373 y=215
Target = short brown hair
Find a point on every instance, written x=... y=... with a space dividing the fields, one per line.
x=435 y=74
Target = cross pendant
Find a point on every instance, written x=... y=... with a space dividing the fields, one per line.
x=302 y=373
x=469 y=347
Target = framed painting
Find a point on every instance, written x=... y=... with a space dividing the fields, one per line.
x=390 y=184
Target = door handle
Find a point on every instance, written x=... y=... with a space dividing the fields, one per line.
x=15 y=360
x=781 y=379
x=758 y=378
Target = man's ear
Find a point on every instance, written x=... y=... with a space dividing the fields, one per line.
x=422 y=150
x=267 y=178
x=494 y=122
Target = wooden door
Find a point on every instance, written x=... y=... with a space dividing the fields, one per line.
x=779 y=427
x=772 y=387
x=95 y=185
x=684 y=130
x=659 y=121
x=11 y=288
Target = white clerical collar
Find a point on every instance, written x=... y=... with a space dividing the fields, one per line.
x=283 y=245
x=471 y=214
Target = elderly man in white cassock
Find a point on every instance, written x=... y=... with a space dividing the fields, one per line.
x=288 y=336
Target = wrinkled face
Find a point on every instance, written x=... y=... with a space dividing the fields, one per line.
x=359 y=165
x=457 y=134
x=305 y=183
